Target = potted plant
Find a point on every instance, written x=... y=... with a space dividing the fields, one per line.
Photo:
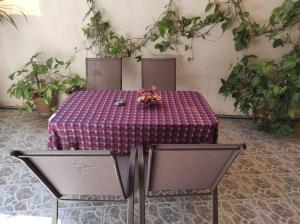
x=271 y=90
x=40 y=82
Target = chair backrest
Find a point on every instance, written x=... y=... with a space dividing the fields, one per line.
x=159 y=72
x=75 y=172
x=104 y=73
x=186 y=167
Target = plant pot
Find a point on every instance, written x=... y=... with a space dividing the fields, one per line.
x=42 y=108
x=259 y=113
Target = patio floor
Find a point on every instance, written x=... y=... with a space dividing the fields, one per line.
x=262 y=186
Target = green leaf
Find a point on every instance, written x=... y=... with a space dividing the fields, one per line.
x=245 y=14
x=278 y=42
x=12 y=76
x=163 y=46
x=241 y=36
x=226 y=24
x=276 y=90
x=48 y=93
x=288 y=65
x=49 y=62
x=255 y=81
x=67 y=64
x=266 y=68
x=162 y=27
x=296 y=98
x=59 y=62
x=138 y=58
x=209 y=6
x=292 y=112
x=186 y=21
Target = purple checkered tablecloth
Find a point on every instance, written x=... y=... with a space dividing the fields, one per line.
x=90 y=120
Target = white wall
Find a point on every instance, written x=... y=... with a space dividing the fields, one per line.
x=56 y=31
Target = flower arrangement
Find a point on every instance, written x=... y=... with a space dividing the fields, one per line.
x=148 y=97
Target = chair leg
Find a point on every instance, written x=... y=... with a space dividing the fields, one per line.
x=54 y=210
x=130 y=210
x=215 y=206
x=141 y=184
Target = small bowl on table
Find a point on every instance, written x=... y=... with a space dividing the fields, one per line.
x=148 y=97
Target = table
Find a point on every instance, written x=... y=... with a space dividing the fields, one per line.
x=90 y=120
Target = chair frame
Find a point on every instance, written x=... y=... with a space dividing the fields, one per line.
x=158 y=59
x=102 y=59
x=189 y=147
x=57 y=196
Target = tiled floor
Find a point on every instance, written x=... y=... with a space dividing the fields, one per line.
x=262 y=186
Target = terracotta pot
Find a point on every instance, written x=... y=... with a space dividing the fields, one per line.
x=45 y=109
x=257 y=113
x=42 y=108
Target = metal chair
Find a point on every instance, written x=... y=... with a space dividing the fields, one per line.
x=159 y=72
x=83 y=173
x=104 y=73
x=184 y=167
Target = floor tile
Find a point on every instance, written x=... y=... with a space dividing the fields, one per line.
x=10 y=174
x=90 y=215
x=295 y=204
x=231 y=187
x=239 y=212
x=17 y=197
x=287 y=183
x=276 y=211
x=260 y=186
x=44 y=199
x=196 y=212
x=163 y=213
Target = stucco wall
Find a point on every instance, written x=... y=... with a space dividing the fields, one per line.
x=55 y=29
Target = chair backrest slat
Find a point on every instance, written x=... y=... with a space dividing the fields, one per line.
x=79 y=173
x=159 y=72
x=184 y=167
x=104 y=73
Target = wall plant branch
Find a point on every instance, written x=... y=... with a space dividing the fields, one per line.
x=165 y=32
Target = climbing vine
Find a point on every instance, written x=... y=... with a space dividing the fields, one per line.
x=170 y=26
x=165 y=32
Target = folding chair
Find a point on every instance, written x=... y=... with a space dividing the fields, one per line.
x=104 y=73
x=184 y=167
x=159 y=72
x=83 y=173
